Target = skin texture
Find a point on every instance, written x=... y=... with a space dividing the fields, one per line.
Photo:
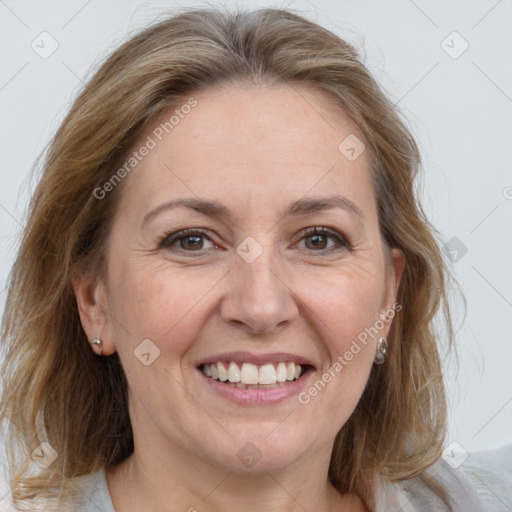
x=256 y=150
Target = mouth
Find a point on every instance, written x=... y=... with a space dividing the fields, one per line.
x=248 y=375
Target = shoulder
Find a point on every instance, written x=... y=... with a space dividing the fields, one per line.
x=482 y=483
x=490 y=473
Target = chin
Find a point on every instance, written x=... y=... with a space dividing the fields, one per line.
x=259 y=448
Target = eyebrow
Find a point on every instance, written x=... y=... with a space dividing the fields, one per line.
x=300 y=207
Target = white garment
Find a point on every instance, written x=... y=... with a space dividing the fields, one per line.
x=482 y=484
x=471 y=488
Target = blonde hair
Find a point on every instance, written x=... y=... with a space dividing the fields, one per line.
x=57 y=390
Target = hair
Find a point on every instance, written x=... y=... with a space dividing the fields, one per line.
x=57 y=390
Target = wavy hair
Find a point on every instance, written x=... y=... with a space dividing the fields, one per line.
x=51 y=375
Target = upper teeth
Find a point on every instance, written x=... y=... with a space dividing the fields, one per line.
x=251 y=373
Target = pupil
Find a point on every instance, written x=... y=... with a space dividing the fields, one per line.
x=317 y=240
x=196 y=242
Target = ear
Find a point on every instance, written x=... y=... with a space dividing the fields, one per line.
x=91 y=298
x=395 y=267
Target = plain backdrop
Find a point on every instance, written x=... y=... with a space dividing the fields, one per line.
x=446 y=64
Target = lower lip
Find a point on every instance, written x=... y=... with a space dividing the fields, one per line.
x=258 y=396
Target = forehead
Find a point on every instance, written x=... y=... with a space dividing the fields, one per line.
x=264 y=141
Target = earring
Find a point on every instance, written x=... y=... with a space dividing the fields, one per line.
x=380 y=355
x=98 y=343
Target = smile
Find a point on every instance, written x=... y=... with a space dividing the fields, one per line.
x=252 y=376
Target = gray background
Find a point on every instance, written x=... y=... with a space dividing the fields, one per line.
x=458 y=105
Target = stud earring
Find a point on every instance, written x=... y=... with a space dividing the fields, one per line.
x=380 y=355
x=98 y=343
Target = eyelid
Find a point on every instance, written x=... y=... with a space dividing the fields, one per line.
x=324 y=231
x=170 y=238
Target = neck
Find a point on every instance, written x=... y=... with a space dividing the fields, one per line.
x=159 y=483
x=165 y=473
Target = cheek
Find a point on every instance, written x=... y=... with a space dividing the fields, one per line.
x=344 y=309
x=153 y=301
x=345 y=305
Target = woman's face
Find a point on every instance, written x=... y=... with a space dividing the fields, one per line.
x=282 y=265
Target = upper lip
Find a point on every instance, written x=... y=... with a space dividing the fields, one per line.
x=257 y=359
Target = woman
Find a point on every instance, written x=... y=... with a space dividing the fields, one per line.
x=225 y=290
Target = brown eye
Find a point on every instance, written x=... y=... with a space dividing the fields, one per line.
x=316 y=242
x=189 y=240
x=192 y=242
x=323 y=239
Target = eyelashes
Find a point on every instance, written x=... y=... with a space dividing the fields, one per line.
x=322 y=233
x=323 y=240
x=170 y=239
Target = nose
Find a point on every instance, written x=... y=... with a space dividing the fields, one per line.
x=258 y=299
